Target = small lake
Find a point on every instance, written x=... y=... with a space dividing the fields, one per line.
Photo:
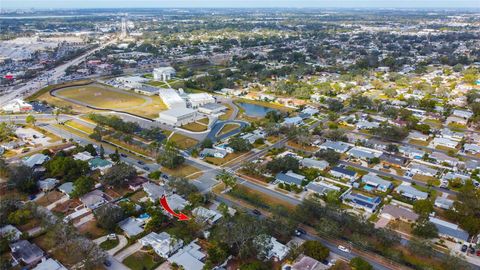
x=254 y=110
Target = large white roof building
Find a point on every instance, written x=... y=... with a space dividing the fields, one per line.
x=17 y=105
x=172 y=99
x=200 y=99
x=163 y=73
x=177 y=116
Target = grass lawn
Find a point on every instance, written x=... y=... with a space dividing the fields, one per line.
x=446 y=149
x=221 y=161
x=273 y=139
x=52 y=137
x=227 y=113
x=195 y=127
x=109 y=244
x=183 y=142
x=49 y=198
x=302 y=147
x=137 y=196
x=79 y=126
x=131 y=147
x=426 y=179
x=456 y=127
x=267 y=201
x=227 y=128
x=91 y=230
x=102 y=96
x=419 y=142
x=181 y=171
x=434 y=123
x=204 y=120
x=142 y=261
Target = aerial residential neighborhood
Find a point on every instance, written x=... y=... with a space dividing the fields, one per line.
x=239 y=137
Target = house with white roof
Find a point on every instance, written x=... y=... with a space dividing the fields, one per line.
x=314 y=163
x=163 y=73
x=322 y=187
x=199 y=99
x=451 y=135
x=17 y=106
x=411 y=152
x=439 y=141
x=213 y=152
x=364 y=153
x=48 y=184
x=410 y=192
x=49 y=264
x=415 y=135
x=364 y=124
x=372 y=180
x=190 y=257
x=421 y=169
x=449 y=230
x=204 y=215
x=339 y=147
x=463 y=114
x=443 y=203
x=35 y=160
x=294 y=121
x=162 y=243
x=471 y=148
x=83 y=156
x=278 y=251
x=443 y=158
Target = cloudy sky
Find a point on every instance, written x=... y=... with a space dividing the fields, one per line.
x=239 y=3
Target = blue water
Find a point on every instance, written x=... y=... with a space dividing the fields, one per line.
x=368 y=188
x=254 y=110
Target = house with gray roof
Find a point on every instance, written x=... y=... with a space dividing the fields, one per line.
x=363 y=153
x=204 y=215
x=443 y=203
x=290 y=178
x=322 y=187
x=361 y=201
x=341 y=172
x=411 y=152
x=449 y=230
x=410 y=192
x=339 y=147
x=47 y=184
x=314 y=163
x=26 y=252
x=390 y=211
x=66 y=188
x=99 y=164
x=154 y=191
x=49 y=264
x=35 y=160
x=421 y=169
x=213 y=152
x=162 y=243
x=93 y=199
x=374 y=181
x=132 y=226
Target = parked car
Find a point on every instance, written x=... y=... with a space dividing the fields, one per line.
x=344 y=249
x=141 y=162
x=146 y=168
x=464 y=248
x=107 y=263
x=300 y=231
x=123 y=155
x=112 y=236
x=256 y=212
x=478 y=252
x=472 y=250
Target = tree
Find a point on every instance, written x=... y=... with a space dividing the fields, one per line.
x=239 y=145
x=392 y=148
x=115 y=157
x=119 y=174
x=82 y=186
x=3 y=168
x=102 y=151
x=207 y=143
x=31 y=120
x=329 y=155
x=423 y=207
x=228 y=179
x=334 y=105
x=169 y=156
x=21 y=177
x=283 y=164
x=358 y=263
x=108 y=216
x=90 y=149
x=315 y=250
x=424 y=228
x=66 y=167
x=6 y=131
x=466 y=209
x=182 y=186
x=20 y=216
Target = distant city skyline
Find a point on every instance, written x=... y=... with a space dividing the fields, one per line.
x=62 y=4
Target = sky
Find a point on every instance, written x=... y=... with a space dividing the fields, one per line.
x=61 y=4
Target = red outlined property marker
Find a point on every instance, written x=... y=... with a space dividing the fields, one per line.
x=180 y=216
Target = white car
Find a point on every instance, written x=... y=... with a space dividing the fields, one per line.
x=344 y=249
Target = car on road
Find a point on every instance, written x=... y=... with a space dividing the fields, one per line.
x=464 y=248
x=256 y=212
x=107 y=263
x=300 y=232
x=146 y=168
x=123 y=155
x=141 y=162
x=478 y=252
x=344 y=249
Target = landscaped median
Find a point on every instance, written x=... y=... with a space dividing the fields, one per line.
x=227 y=128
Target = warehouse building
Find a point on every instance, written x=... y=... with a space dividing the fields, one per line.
x=172 y=99
x=177 y=116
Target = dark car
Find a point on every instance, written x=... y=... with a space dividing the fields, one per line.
x=141 y=162
x=123 y=155
x=146 y=168
x=256 y=212
x=107 y=263
x=471 y=250
x=464 y=248
x=300 y=231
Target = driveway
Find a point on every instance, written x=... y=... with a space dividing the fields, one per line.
x=61 y=200
x=122 y=255
x=122 y=242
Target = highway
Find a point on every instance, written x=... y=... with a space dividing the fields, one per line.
x=54 y=74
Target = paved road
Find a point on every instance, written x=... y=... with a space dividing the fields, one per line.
x=56 y=74
x=122 y=242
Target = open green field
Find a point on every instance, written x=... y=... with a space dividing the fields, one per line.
x=227 y=128
x=102 y=97
x=183 y=142
x=195 y=127
x=105 y=97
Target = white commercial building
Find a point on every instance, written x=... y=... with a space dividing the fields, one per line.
x=163 y=73
x=16 y=106
x=172 y=99
x=199 y=99
x=177 y=116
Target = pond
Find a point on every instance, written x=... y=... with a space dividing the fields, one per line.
x=255 y=110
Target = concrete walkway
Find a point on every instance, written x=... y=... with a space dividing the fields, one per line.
x=61 y=200
x=122 y=242
x=122 y=255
